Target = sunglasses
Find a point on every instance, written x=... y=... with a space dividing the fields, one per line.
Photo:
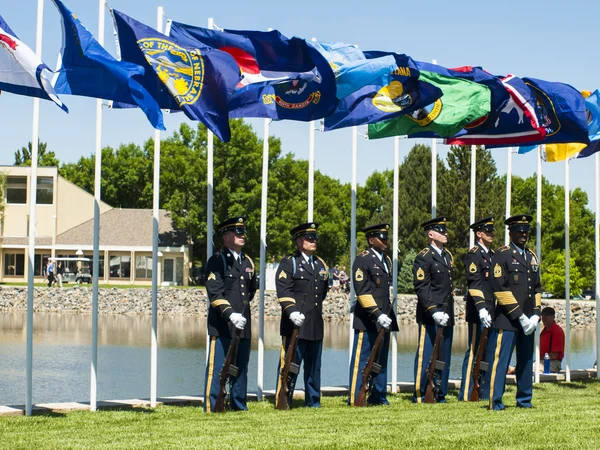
x=311 y=237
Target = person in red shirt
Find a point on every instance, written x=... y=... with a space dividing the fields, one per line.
x=552 y=341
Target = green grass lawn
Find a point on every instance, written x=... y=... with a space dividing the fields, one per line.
x=565 y=415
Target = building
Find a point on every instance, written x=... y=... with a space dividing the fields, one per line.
x=65 y=227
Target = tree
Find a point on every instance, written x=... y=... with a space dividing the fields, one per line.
x=45 y=158
x=555 y=275
x=405 y=274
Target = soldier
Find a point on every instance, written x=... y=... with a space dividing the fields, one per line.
x=230 y=286
x=372 y=277
x=432 y=271
x=302 y=282
x=518 y=293
x=479 y=298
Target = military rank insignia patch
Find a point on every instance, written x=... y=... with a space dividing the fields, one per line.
x=282 y=275
x=359 y=275
x=211 y=276
x=472 y=268
x=420 y=274
x=497 y=271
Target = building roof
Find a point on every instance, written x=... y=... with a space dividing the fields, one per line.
x=39 y=240
x=127 y=228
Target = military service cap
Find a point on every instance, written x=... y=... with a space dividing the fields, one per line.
x=380 y=230
x=519 y=222
x=236 y=224
x=438 y=224
x=304 y=229
x=486 y=224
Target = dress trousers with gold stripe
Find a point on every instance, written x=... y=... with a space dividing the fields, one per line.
x=230 y=286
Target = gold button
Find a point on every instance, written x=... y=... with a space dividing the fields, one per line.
x=316 y=288
x=243 y=293
x=241 y=285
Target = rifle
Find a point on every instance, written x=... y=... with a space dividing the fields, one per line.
x=372 y=368
x=229 y=370
x=479 y=366
x=434 y=365
x=289 y=371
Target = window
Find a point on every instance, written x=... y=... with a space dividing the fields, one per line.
x=45 y=188
x=120 y=266
x=39 y=266
x=101 y=264
x=16 y=190
x=14 y=264
x=143 y=266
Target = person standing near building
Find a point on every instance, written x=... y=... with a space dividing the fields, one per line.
x=60 y=272
x=433 y=270
x=230 y=286
x=372 y=278
x=50 y=272
x=479 y=298
x=518 y=293
x=302 y=282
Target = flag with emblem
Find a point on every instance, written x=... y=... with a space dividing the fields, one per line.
x=463 y=102
x=88 y=70
x=195 y=79
x=399 y=92
x=21 y=71
x=282 y=78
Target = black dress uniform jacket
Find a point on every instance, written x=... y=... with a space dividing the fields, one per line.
x=372 y=287
x=517 y=287
x=433 y=284
x=302 y=288
x=478 y=267
x=230 y=286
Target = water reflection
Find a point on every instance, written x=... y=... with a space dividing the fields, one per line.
x=62 y=355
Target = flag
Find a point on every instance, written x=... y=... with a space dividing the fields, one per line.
x=462 y=103
x=399 y=92
x=88 y=70
x=592 y=106
x=560 y=152
x=517 y=122
x=21 y=71
x=526 y=149
x=282 y=78
x=195 y=79
x=351 y=68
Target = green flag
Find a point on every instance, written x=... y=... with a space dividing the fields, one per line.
x=463 y=102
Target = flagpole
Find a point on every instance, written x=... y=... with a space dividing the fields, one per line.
x=538 y=243
x=508 y=191
x=32 y=219
x=433 y=172
x=395 y=262
x=567 y=274
x=311 y=165
x=209 y=203
x=352 y=236
x=96 y=242
x=597 y=285
x=473 y=181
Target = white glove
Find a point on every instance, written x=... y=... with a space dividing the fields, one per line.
x=238 y=320
x=441 y=318
x=486 y=319
x=384 y=321
x=533 y=322
x=297 y=318
x=525 y=322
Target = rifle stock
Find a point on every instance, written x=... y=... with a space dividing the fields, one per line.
x=479 y=366
x=228 y=370
x=434 y=365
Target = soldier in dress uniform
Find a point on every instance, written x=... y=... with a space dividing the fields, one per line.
x=230 y=286
x=433 y=270
x=302 y=282
x=518 y=293
x=479 y=298
x=372 y=278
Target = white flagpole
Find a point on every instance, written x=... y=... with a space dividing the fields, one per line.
x=155 y=217
x=473 y=187
x=508 y=191
x=263 y=258
x=567 y=274
x=96 y=242
x=311 y=165
x=538 y=242
x=32 y=219
x=352 y=235
x=395 y=251
x=597 y=285
x=433 y=172
x=209 y=202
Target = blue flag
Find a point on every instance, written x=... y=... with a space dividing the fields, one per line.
x=195 y=79
x=399 y=92
x=88 y=70
x=282 y=78
x=592 y=106
x=526 y=149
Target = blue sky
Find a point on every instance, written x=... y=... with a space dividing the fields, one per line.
x=551 y=41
